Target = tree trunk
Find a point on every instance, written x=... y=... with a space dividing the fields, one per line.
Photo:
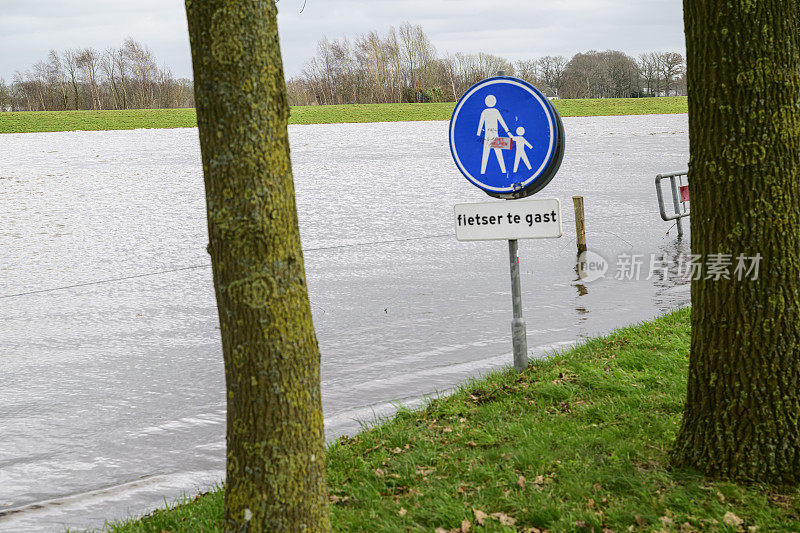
x=75 y=92
x=742 y=416
x=275 y=442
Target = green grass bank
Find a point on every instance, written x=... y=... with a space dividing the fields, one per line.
x=578 y=442
x=43 y=121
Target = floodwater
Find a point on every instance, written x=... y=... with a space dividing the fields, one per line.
x=111 y=379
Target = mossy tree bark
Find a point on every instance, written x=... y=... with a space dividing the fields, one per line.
x=742 y=416
x=275 y=441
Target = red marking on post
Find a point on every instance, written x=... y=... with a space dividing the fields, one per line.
x=684 y=193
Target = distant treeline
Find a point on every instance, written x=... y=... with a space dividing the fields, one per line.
x=119 y=78
x=403 y=66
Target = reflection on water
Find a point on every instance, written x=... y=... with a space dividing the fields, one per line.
x=672 y=285
x=112 y=394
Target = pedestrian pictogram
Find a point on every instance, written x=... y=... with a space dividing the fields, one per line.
x=506 y=137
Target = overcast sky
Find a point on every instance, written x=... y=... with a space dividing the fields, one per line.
x=518 y=29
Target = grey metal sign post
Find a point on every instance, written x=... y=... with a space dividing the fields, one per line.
x=511 y=221
x=519 y=335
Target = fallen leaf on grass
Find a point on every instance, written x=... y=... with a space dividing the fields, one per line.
x=564 y=378
x=666 y=522
x=504 y=519
x=472 y=444
x=465 y=527
x=562 y=407
x=781 y=500
x=402 y=512
x=399 y=491
x=424 y=470
x=732 y=520
x=379 y=472
x=521 y=482
x=538 y=482
x=640 y=520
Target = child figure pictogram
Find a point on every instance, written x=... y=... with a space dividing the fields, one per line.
x=521 y=143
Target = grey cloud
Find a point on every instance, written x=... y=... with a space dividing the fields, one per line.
x=515 y=29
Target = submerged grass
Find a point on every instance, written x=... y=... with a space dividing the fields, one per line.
x=578 y=442
x=44 y=121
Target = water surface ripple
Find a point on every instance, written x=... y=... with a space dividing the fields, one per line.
x=112 y=393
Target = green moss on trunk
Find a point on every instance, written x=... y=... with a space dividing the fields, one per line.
x=275 y=461
x=742 y=418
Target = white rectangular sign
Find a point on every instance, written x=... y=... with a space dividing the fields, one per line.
x=509 y=219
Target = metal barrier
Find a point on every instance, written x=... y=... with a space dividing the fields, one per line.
x=680 y=197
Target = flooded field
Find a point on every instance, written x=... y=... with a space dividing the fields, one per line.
x=111 y=378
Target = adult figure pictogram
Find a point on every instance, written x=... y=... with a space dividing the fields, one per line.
x=490 y=121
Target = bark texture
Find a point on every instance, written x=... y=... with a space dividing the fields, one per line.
x=275 y=440
x=742 y=416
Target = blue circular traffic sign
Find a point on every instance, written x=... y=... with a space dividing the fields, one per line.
x=506 y=137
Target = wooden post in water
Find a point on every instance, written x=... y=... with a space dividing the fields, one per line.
x=580 y=223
